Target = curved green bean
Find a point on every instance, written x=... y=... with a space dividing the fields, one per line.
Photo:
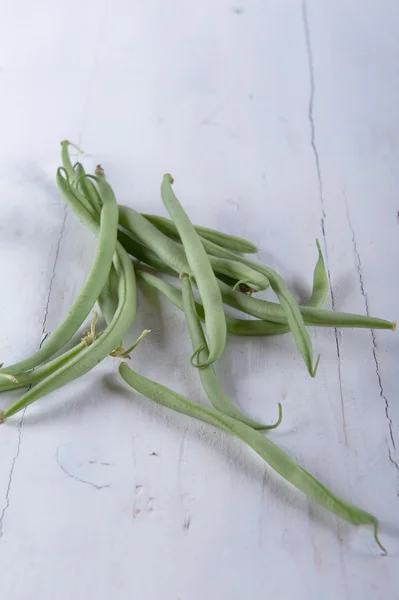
x=287 y=301
x=294 y=318
x=283 y=464
x=245 y=327
x=225 y=240
x=240 y=327
x=32 y=377
x=108 y=298
x=87 y=188
x=317 y=317
x=215 y=321
x=93 y=285
x=88 y=358
x=320 y=282
x=288 y=305
x=144 y=254
x=208 y=377
x=66 y=160
x=173 y=254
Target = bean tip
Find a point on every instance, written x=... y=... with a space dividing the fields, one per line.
x=2 y=419
x=394 y=326
x=184 y=274
x=169 y=178
x=99 y=170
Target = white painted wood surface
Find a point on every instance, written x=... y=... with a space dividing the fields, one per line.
x=279 y=121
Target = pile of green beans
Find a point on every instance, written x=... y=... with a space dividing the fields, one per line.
x=131 y=244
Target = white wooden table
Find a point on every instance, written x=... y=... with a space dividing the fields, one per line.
x=279 y=121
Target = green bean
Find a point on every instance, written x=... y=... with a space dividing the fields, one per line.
x=143 y=253
x=290 y=313
x=207 y=375
x=167 y=227
x=173 y=254
x=88 y=358
x=197 y=258
x=148 y=257
x=32 y=377
x=240 y=327
x=293 y=315
x=283 y=464
x=7 y=378
x=108 y=298
x=109 y=342
x=87 y=188
x=222 y=239
x=93 y=285
x=66 y=161
x=317 y=317
x=320 y=282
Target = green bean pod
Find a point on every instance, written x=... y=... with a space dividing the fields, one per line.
x=83 y=304
x=173 y=254
x=32 y=377
x=208 y=377
x=87 y=189
x=144 y=254
x=225 y=240
x=201 y=268
x=246 y=327
x=320 y=282
x=283 y=464
x=317 y=317
x=88 y=358
x=108 y=298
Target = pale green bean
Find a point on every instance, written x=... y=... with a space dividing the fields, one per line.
x=207 y=375
x=92 y=287
x=223 y=239
x=200 y=267
x=283 y=464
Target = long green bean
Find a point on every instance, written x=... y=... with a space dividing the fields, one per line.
x=208 y=377
x=225 y=240
x=32 y=377
x=200 y=266
x=92 y=287
x=110 y=340
x=285 y=466
x=86 y=360
x=243 y=327
x=173 y=253
x=318 y=317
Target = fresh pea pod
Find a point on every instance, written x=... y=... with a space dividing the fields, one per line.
x=283 y=464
